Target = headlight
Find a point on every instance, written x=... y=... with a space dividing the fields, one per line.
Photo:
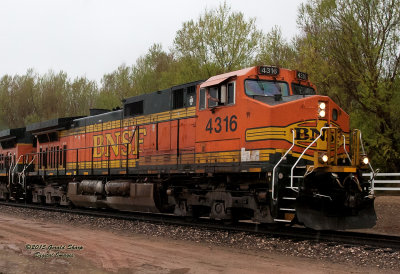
x=323 y=158
x=321 y=109
x=365 y=160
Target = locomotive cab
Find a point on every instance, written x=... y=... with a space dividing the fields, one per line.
x=299 y=139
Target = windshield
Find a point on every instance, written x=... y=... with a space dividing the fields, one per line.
x=265 y=88
x=302 y=90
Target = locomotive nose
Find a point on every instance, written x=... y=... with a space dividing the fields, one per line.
x=328 y=110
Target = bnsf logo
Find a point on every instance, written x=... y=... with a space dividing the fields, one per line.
x=308 y=134
x=117 y=143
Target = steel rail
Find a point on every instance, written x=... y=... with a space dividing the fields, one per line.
x=367 y=240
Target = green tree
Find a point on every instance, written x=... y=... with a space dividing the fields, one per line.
x=149 y=72
x=17 y=95
x=53 y=95
x=81 y=96
x=115 y=86
x=6 y=115
x=219 y=41
x=276 y=51
x=30 y=98
x=354 y=46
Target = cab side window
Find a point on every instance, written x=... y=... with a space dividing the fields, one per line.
x=202 y=99
x=221 y=95
x=213 y=98
x=231 y=93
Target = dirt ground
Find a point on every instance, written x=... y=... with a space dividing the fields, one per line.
x=30 y=246
x=387 y=210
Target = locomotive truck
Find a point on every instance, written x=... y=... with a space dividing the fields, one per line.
x=257 y=143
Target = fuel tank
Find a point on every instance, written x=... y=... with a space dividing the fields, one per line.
x=118 y=188
x=91 y=187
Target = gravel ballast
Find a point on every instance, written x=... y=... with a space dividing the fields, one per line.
x=327 y=251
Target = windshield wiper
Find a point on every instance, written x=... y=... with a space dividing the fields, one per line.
x=260 y=85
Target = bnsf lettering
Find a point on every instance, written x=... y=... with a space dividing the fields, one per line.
x=117 y=143
x=308 y=134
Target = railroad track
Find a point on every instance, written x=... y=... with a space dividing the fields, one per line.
x=369 y=241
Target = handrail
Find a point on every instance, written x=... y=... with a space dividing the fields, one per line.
x=302 y=154
x=22 y=173
x=16 y=164
x=273 y=171
x=9 y=170
x=107 y=146
x=106 y=157
x=344 y=147
x=374 y=173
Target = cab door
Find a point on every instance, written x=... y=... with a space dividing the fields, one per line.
x=218 y=124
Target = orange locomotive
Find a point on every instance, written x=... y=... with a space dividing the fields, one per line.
x=257 y=143
x=15 y=144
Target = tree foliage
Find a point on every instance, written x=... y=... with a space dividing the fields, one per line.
x=219 y=41
x=116 y=86
x=354 y=46
x=31 y=98
x=276 y=51
x=151 y=72
x=18 y=98
x=150 y=69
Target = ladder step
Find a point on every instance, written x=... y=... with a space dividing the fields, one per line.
x=295 y=187
x=288 y=198
x=298 y=176
x=282 y=221
x=287 y=209
x=301 y=167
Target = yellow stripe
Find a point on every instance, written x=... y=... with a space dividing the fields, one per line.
x=189 y=158
x=102 y=164
x=265 y=133
x=139 y=120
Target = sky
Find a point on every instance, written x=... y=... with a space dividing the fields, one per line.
x=93 y=37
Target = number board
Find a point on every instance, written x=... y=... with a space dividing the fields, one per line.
x=265 y=70
x=301 y=75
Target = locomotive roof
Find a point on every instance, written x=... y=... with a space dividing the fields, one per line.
x=8 y=134
x=98 y=118
x=162 y=100
x=164 y=91
x=9 y=137
x=215 y=80
x=51 y=125
x=154 y=102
